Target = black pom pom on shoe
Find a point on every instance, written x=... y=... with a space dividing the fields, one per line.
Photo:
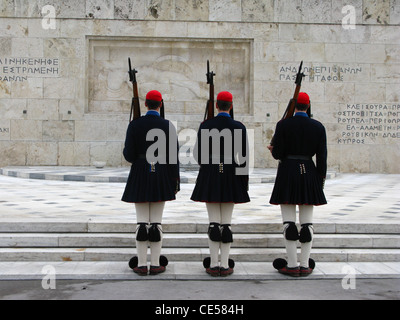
x=311 y=263
x=206 y=262
x=133 y=262
x=279 y=263
x=163 y=261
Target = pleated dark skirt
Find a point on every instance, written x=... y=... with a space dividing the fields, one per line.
x=214 y=186
x=146 y=186
x=297 y=182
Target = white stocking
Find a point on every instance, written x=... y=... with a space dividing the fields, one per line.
x=306 y=216
x=214 y=215
x=149 y=212
x=226 y=218
x=156 y=212
x=220 y=213
x=142 y=216
x=289 y=214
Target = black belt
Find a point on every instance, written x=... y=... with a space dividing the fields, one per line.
x=298 y=157
x=142 y=156
x=218 y=160
x=152 y=165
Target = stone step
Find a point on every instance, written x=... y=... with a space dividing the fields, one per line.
x=188 y=174
x=67 y=226
x=194 y=254
x=196 y=240
x=115 y=241
x=189 y=270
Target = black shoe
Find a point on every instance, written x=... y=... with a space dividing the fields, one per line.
x=293 y=272
x=224 y=272
x=156 y=270
x=213 y=271
x=141 y=271
x=304 y=272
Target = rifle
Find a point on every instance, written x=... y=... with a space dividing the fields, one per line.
x=135 y=105
x=231 y=113
x=209 y=113
x=162 y=113
x=292 y=103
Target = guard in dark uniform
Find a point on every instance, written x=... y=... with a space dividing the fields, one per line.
x=222 y=151
x=299 y=181
x=151 y=146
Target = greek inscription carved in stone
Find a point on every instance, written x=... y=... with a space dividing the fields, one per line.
x=320 y=73
x=364 y=123
x=16 y=69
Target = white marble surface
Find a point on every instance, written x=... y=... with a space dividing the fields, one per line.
x=352 y=199
x=190 y=271
x=367 y=204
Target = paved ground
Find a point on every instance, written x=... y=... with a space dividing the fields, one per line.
x=352 y=198
x=216 y=292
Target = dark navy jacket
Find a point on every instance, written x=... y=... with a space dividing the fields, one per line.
x=301 y=135
x=223 y=177
x=147 y=181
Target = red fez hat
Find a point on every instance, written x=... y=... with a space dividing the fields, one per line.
x=154 y=95
x=303 y=98
x=225 y=96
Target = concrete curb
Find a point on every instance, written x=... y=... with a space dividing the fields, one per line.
x=244 y=271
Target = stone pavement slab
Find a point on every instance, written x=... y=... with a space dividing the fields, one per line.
x=116 y=175
x=178 y=270
x=352 y=199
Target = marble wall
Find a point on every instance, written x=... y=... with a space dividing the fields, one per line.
x=65 y=93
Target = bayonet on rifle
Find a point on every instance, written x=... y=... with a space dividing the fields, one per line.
x=209 y=113
x=292 y=103
x=162 y=112
x=135 y=105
